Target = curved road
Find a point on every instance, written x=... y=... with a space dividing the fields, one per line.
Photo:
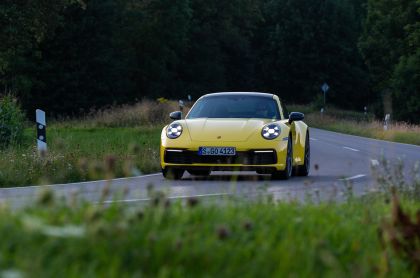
x=338 y=160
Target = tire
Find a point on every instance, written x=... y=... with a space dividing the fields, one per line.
x=173 y=174
x=287 y=172
x=199 y=172
x=303 y=170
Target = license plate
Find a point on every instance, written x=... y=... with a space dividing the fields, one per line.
x=216 y=151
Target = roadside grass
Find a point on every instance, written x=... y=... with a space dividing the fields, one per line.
x=232 y=238
x=80 y=154
x=143 y=113
x=357 y=123
x=397 y=132
x=117 y=141
x=126 y=139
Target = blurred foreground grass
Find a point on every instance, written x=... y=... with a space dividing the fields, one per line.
x=78 y=154
x=190 y=239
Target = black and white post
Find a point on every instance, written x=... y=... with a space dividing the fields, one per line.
x=41 y=127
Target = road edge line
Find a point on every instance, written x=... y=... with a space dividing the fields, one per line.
x=82 y=182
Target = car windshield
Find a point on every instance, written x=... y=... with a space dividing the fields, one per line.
x=235 y=106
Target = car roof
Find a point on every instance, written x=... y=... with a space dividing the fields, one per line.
x=267 y=95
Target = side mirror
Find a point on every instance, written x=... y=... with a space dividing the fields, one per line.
x=177 y=115
x=296 y=116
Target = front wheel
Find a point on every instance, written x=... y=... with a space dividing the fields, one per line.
x=173 y=174
x=287 y=172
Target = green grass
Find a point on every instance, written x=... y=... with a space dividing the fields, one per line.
x=228 y=239
x=357 y=123
x=372 y=129
x=112 y=143
x=78 y=154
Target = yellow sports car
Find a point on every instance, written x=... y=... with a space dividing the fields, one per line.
x=236 y=132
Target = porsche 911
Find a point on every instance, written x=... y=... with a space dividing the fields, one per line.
x=236 y=131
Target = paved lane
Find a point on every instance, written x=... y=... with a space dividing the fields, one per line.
x=337 y=160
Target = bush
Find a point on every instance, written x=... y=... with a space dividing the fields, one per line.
x=12 y=122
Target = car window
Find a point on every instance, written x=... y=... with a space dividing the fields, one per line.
x=235 y=107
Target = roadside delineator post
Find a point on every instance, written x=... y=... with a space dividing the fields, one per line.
x=181 y=105
x=41 y=128
x=386 y=121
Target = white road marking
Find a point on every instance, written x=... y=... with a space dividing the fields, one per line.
x=353 y=177
x=83 y=182
x=374 y=162
x=171 y=197
x=351 y=149
x=313 y=139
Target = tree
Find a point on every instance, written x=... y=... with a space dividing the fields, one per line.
x=220 y=55
x=306 y=43
x=85 y=64
x=390 y=46
x=68 y=57
x=25 y=24
x=160 y=42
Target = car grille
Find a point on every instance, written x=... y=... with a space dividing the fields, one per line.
x=245 y=158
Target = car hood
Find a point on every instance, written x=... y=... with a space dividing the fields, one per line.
x=228 y=130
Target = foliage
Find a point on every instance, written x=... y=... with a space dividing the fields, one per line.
x=25 y=24
x=140 y=114
x=304 y=46
x=390 y=45
x=406 y=80
x=80 y=154
x=85 y=65
x=364 y=126
x=161 y=238
x=12 y=122
x=222 y=52
x=76 y=57
x=80 y=148
x=92 y=54
x=358 y=123
x=402 y=234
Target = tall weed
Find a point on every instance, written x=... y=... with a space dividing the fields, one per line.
x=144 y=113
x=12 y=121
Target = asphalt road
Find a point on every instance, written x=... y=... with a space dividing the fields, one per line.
x=338 y=160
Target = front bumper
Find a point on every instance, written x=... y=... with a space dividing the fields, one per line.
x=265 y=156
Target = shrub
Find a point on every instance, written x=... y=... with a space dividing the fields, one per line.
x=12 y=122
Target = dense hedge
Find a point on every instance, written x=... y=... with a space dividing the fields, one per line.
x=68 y=56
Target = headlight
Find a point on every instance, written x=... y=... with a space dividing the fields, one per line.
x=174 y=130
x=270 y=131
